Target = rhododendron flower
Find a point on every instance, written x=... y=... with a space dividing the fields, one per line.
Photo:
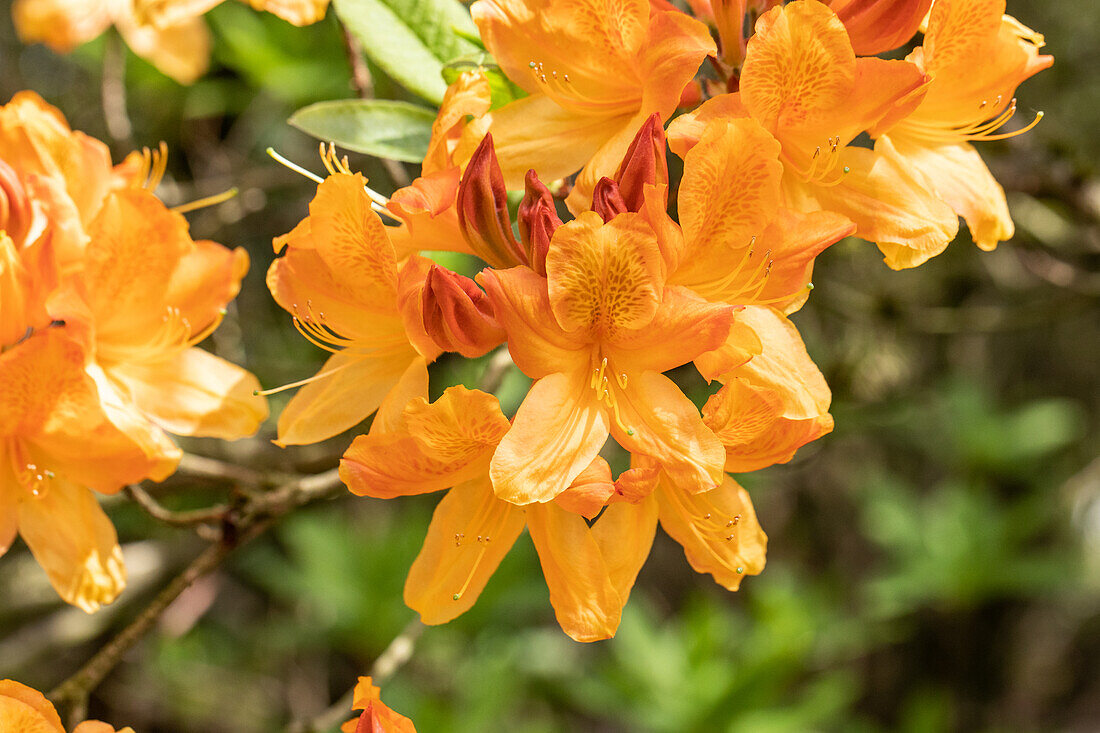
x=56 y=442
x=596 y=334
x=341 y=281
x=594 y=70
x=976 y=57
x=26 y=710
x=802 y=83
x=450 y=443
x=875 y=26
x=377 y=717
x=169 y=34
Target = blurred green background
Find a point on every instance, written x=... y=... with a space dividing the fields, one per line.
x=934 y=564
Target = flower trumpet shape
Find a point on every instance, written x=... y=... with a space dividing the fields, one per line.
x=341 y=282
x=450 y=443
x=594 y=70
x=976 y=57
x=596 y=334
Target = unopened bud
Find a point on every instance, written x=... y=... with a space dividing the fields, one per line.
x=483 y=210
x=643 y=163
x=538 y=220
x=458 y=315
x=606 y=199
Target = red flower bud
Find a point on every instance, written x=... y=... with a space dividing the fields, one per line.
x=483 y=210
x=538 y=220
x=458 y=315
x=643 y=163
x=606 y=199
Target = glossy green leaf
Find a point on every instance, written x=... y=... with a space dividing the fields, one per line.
x=379 y=127
x=411 y=40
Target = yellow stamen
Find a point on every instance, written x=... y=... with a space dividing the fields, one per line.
x=558 y=87
x=301 y=382
x=600 y=382
x=485 y=511
x=981 y=128
x=378 y=201
x=207 y=201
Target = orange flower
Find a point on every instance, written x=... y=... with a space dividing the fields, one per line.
x=56 y=441
x=594 y=71
x=804 y=85
x=596 y=335
x=377 y=717
x=450 y=443
x=151 y=294
x=26 y=710
x=880 y=25
x=179 y=49
x=341 y=281
x=976 y=57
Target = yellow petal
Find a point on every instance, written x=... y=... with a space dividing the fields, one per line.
x=75 y=543
x=25 y=710
x=661 y=422
x=470 y=533
x=297 y=12
x=181 y=51
x=718 y=530
x=195 y=393
x=586 y=603
x=558 y=430
x=624 y=533
x=355 y=388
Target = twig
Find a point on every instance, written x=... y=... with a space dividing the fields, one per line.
x=210 y=515
x=364 y=89
x=113 y=92
x=213 y=468
x=239 y=525
x=496 y=370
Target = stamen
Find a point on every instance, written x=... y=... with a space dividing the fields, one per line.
x=206 y=201
x=294 y=166
x=301 y=382
x=485 y=511
x=561 y=89
x=600 y=383
x=980 y=129
x=154 y=163
x=378 y=201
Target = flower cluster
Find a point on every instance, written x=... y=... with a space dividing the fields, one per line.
x=103 y=298
x=597 y=308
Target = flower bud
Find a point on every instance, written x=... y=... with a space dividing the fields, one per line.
x=643 y=163
x=538 y=220
x=606 y=199
x=483 y=210
x=458 y=315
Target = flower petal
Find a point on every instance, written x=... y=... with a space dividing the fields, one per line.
x=718 y=530
x=586 y=603
x=195 y=393
x=470 y=533
x=559 y=429
x=21 y=705
x=75 y=542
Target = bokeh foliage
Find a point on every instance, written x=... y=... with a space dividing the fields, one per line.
x=934 y=564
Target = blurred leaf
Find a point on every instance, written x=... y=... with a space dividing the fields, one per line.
x=410 y=40
x=379 y=127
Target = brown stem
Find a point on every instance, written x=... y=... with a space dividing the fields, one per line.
x=153 y=508
x=113 y=92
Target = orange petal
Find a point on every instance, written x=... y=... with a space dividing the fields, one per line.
x=875 y=26
x=296 y=12
x=25 y=710
x=685 y=131
x=470 y=533
x=741 y=344
x=61 y=24
x=181 y=51
x=195 y=393
x=730 y=188
x=27 y=276
x=207 y=277
x=586 y=603
x=354 y=388
x=390 y=417
x=468 y=96
x=961 y=178
x=661 y=422
x=136 y=245
x=590 y=491
x=677 y=45
x=521 y=306
x=558 y=430
x=798 y=64
x=75 y=542
x=891 y=205
x=535 y=132
x=772 y=405
x=604 y=278
x=718 y=530
x=685 y=327
x=436 y=446
x=624 y=533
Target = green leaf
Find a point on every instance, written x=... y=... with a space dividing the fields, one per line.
x=379 y=127
x=411 y=40
x=501 y=88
